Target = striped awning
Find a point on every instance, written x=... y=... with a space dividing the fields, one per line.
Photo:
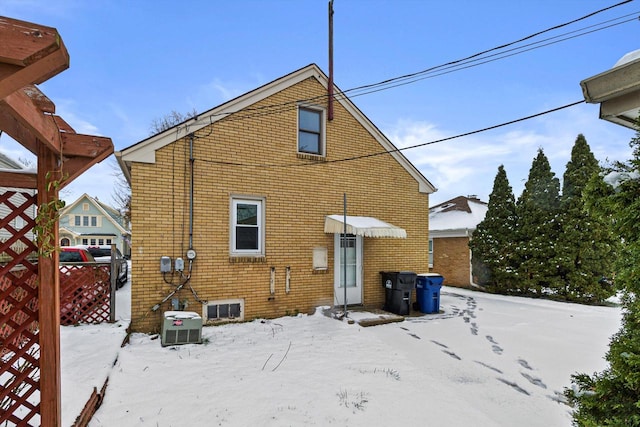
x=363 y=226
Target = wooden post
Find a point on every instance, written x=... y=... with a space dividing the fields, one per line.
x=113 y=275
x=49 y=302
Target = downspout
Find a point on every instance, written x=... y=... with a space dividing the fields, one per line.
x=471 y=282
x=191 y=161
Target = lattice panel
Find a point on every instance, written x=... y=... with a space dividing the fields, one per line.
x=19 y=349
x=85 y=293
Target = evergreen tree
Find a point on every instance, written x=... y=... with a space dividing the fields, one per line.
x=491 y=243
x=612 y=397
x=585 y=246
x=538 y=228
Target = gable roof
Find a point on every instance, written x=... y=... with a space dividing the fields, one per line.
x=144 y=151
x=106 y=210
x=456 y=217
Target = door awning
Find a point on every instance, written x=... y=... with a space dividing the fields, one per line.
x=363 y=226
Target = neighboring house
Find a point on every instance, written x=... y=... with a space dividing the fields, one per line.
x=20 y=221
x=451 y=225
x=250 y=196
x=87 y=221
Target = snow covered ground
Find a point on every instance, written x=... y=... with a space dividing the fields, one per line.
x=484 y=360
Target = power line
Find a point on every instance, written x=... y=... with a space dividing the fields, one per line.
x=446 y=68
x=475 y=55
x=396 y=150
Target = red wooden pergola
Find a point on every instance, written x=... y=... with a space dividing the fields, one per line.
x=30 y=54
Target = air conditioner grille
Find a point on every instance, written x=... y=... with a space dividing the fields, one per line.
x=181 y=327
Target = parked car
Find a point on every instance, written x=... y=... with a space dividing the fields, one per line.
x=75 y=254
x=102 y=253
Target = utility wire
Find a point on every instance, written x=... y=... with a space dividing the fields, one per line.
x=461 y=65
x=475 y=55
x=468 y=62
x=436 y=72
x=396 y=150
x=450 y=67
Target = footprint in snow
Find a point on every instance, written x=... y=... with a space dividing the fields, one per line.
x=474 y=328
x=525 y=364
x=452 y=354
x=535 y=381
x=559 y=397
x=514 y=386
x=494 y=345
x=439 y=343
x=488 y=366
x=415 y=336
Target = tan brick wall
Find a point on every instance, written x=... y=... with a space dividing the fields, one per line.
x=296 y=202
x=451 y=259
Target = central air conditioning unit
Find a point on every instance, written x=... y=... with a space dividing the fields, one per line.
x=181 y=327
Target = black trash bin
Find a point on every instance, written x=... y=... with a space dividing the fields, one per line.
x=398 y=287
x=428 y=292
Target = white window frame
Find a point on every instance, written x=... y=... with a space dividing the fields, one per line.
x=205 y=310
x=322 y=151
x=260 y=203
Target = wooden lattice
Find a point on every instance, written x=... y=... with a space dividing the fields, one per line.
x=19 y=344
x=85 y=293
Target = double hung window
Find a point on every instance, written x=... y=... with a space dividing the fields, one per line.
x=247 y=227
x=310 y=131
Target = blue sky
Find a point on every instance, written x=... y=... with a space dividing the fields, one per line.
x=136 y=61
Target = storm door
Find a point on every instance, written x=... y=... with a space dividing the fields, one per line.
x=353 y=265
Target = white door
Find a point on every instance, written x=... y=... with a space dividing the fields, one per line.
x=353 y=265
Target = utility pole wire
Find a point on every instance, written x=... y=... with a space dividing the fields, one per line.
x=397 y=150
x=478 y=58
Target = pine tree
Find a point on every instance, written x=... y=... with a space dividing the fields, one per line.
x=585 y=247
x=538 y=228
x=612 y=397
x=491 y=243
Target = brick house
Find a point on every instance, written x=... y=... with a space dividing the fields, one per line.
x=451 y=225
x=250 y=195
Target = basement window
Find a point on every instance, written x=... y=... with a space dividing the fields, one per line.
x=217 y=311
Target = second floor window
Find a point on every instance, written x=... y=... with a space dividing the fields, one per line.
x=310 y=137
x=86 y=221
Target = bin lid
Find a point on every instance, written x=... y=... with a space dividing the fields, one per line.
x=430 y=275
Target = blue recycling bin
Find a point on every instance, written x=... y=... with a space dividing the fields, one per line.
x=428 y=292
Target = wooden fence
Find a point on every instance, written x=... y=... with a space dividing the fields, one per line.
x=85 y=297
